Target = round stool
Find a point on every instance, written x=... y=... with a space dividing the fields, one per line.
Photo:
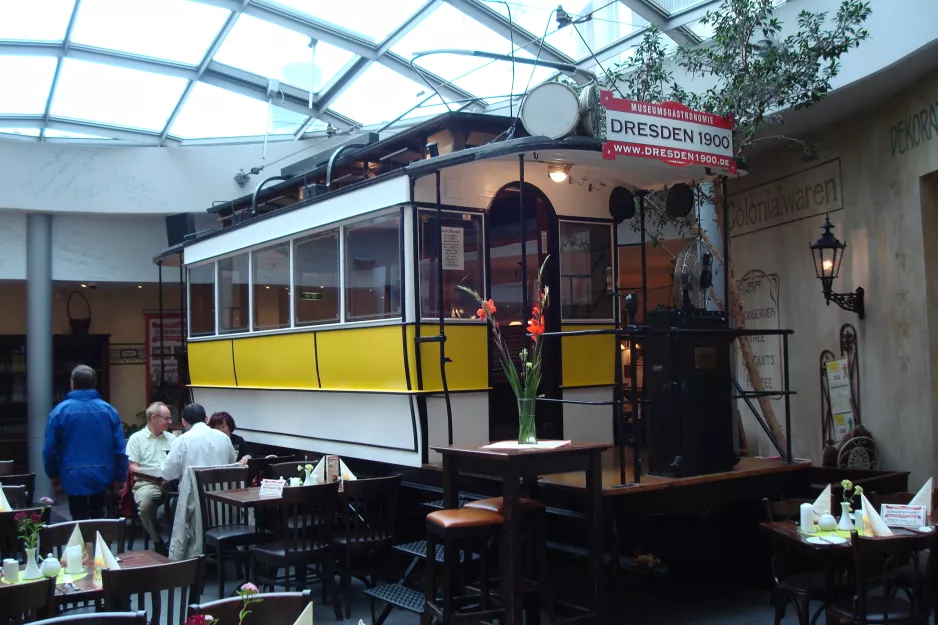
x=459 y=530
x=534 y=545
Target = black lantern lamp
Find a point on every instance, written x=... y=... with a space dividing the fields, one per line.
x=828 y=253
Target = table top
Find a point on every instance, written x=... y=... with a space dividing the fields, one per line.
x=248 y=497
x=789 y=531
x=508 y=454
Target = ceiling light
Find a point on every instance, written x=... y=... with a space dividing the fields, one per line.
x=84 y=286
x=558 y=171
x=139 y=286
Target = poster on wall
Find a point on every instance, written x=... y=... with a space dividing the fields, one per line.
x=163 y=382
x=838 y=380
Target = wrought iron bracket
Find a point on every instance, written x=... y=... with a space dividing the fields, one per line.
x=851 y=302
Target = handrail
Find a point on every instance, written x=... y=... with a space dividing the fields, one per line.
x=258 y=190
x=334 y=156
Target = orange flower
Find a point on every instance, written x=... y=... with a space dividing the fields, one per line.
x=488 y=308
x=536 y=327
x=481 y=314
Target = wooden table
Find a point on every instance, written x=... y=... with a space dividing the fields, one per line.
x=788 y=532
x=87 y=591
x=513 y=465
x=244 y=498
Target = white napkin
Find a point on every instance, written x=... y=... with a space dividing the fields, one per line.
x=76 y=540
x=822 y=505
x=319 y=473
x=306 y=617
x=103 y=559
x=4 y=504
x=923 y=496
x=873 y=524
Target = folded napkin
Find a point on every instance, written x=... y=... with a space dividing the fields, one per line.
x=103 y=559
x=306 y=617
x=4 y=504
x=76 y=540
x=923 y=496
x=822 y=505
x=319 y=472
x=872 y=524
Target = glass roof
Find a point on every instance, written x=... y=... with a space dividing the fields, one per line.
x=170 y=72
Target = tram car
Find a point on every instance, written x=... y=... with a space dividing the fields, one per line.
x=317 y=315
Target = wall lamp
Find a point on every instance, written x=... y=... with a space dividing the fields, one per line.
x=828 y=254
x=558 y=171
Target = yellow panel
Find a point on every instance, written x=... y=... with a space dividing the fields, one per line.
x=278 y=361
x=211 y=363
x=362 y=359
x=588 y=360
x=466 y=346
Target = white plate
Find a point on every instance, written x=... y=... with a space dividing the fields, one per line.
x=827 y=540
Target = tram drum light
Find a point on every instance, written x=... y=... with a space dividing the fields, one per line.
x=433 y=150
x=680 y=201
x=621 y=204
x=558 y=171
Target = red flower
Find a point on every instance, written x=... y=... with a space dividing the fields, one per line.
x=536 y=327
x=488 y=308
x=37 y=517
x=19 y=516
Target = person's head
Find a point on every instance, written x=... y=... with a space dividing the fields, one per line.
x=83 y=378
x=158 y=417
x=192 y=414
x=222 y=421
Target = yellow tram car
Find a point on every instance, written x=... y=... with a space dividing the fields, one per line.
x=317 y=324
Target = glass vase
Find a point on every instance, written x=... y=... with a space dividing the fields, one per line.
x=527 y=431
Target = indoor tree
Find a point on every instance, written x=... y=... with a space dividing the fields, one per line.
x=755 y=74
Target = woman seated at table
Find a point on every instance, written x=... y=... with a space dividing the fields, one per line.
x=226 y=423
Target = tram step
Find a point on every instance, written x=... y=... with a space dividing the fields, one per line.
x=399 y=596
x=419 y=548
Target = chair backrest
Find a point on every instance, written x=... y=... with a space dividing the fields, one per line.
x=274 y=607
x=25 y=603
x=785 y=510
x=308 y=519
x=7 y=467
x=259 y=468
x=215 y=513
x=894 y=498
x=9 y=541
x=287 y=469
x=27 y=480
x=877 y=562
x=370 y=508
x=16 y=496
x=151 y=582
x=53 y=538
x=102 y=618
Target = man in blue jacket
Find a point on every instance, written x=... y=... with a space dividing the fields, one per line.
x=84 y=447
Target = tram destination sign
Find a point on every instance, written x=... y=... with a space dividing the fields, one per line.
x=669 y=132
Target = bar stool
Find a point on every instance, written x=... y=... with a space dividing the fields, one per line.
x=533 y=545
x=459 y=530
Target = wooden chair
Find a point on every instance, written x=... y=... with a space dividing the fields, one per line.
x=307 y=527
x=276 y=607
x=7 y=467
x=9 y=542
x=287 y=470
x=25 y=603
x=16 y=496
x=259 y=468
x=793 y=584
x=103 y=618
x=225 y=528
x=876 y=562
x=53 y=538
x=150 y=582
x=367 y=534
x=27 y=480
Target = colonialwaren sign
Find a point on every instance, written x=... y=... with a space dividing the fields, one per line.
x=804 y=194
x=669 y=132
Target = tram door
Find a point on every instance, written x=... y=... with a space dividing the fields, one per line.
x=509 y=279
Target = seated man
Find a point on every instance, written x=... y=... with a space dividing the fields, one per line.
x=146 y=451
x=198 y=446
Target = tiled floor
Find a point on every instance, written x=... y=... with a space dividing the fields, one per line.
x=644 y=602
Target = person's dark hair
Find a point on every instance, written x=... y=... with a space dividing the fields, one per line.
x=83 y=378
x=218 y=418
x=193 y=413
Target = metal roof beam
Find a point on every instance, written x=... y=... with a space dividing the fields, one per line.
x=83 y=127
x=66 y=42
x=495 y=21
x=331 y=92
x=670 y=24
x=311 y=27
x=402 y=67
x=206 y=59
x=98 y=55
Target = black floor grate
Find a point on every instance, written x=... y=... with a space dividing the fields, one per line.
x=398 y=596
x=419 y=549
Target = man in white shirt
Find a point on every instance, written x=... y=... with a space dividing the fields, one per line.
x=146 y=451
x=198 y=446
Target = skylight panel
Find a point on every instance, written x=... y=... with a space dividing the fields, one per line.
x=35 y=20
x=116 y=96
x=211 y=112
x=32 y=78
x=375 y=19
x=379 y=95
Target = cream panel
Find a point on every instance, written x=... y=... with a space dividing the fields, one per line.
x=587 y=423
x=470 y=421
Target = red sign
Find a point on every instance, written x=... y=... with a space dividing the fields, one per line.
x=669 y=132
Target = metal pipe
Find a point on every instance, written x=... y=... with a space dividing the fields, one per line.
x=641 y=217
x=39 y=331
x=726 y=251
x=162 y=332
x=258 y=190
x=439 y=267
x=524 y=239
x=335 y=155
x=787 y=396
x=562 y=67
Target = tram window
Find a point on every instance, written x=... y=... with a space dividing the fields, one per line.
x=316 y=278
x=233 y=294
x=462 y=264
x=202 y=300
x=373 y=269
x=585 y=270
x=271 y=284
